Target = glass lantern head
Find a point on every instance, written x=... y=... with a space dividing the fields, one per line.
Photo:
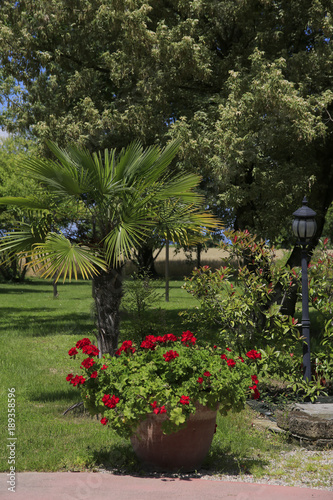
x=304 y=224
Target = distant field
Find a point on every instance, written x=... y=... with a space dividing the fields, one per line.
x=182 y=265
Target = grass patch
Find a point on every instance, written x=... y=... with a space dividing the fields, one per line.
x=36 y=333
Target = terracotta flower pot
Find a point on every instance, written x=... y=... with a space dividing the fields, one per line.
x=184 y=450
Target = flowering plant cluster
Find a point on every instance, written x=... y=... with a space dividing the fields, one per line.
x=240 y=305
x=163 y=375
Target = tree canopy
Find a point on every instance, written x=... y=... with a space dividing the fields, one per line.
x=246 y=84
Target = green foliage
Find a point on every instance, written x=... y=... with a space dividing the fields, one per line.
x=240 y=306
x=320 y=275
x=246 y=84
x=309 y=390
x=328 y=227
x=13 y=183
x=141 y=299
x=239 y=302
x=165 y=374
x=320 y=289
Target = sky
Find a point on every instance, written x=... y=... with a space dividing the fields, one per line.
x=3 y=134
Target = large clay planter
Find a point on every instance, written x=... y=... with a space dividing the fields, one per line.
x=184 y=450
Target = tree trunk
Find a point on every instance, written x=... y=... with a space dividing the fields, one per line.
x=107 y=293
x=145 y=261
x=199 y=248
x=13 y=270
x=167 y=271
x=55 y=286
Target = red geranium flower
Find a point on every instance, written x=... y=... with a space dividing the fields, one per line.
x=254 y=379
x=168 y=356
x=157 y=409
x=104 y=421
x=207 y=374
x=188 y=338
x=81 y=343
x=90 y=349
x=169 y=337
x=69 y=377
x=73 y=351
x=87 y=363
x=149 y=342
x=224 y=357
x=184 y=400
x=231 y=363
x=241 y=359
x=94 y=375
x=104 y=367
x=78 y=379
x=109 y=401
x=200 y=380
x=253 y=354
x=256 y=393
x=126 y=346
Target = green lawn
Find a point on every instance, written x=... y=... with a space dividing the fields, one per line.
x=36 y=333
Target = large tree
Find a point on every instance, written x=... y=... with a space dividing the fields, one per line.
x=122 y=198
x=13 y=184
x=247 y=83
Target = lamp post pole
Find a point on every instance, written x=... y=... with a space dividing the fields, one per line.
x=305 y=317
x=304 y=228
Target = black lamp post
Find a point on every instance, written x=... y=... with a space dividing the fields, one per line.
x=304 y=228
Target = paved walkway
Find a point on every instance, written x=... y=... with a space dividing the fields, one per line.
x=88 y=485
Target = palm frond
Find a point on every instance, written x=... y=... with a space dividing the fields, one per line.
x=21 y=240
x=29 y=202
x=58 y=256
x=150 y=164
x=63 y=179
x=95 y=174
x=182 y=223
x=120 y=242
x=127 y=157
x=162 y=162
x=180 y=187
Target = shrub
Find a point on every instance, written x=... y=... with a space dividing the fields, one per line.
x=240 y=306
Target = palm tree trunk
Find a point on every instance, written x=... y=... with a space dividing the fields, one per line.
x=107 y=293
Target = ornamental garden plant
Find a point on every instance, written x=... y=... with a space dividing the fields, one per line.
x=242 y=304
x=163 y=375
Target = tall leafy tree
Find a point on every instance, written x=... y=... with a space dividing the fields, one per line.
x=246 y=83
x=12 y=184
x=122 y=198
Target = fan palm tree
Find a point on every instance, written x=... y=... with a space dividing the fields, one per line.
x=121 y=199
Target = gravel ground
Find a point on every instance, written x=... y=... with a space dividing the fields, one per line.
x=301 y=468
